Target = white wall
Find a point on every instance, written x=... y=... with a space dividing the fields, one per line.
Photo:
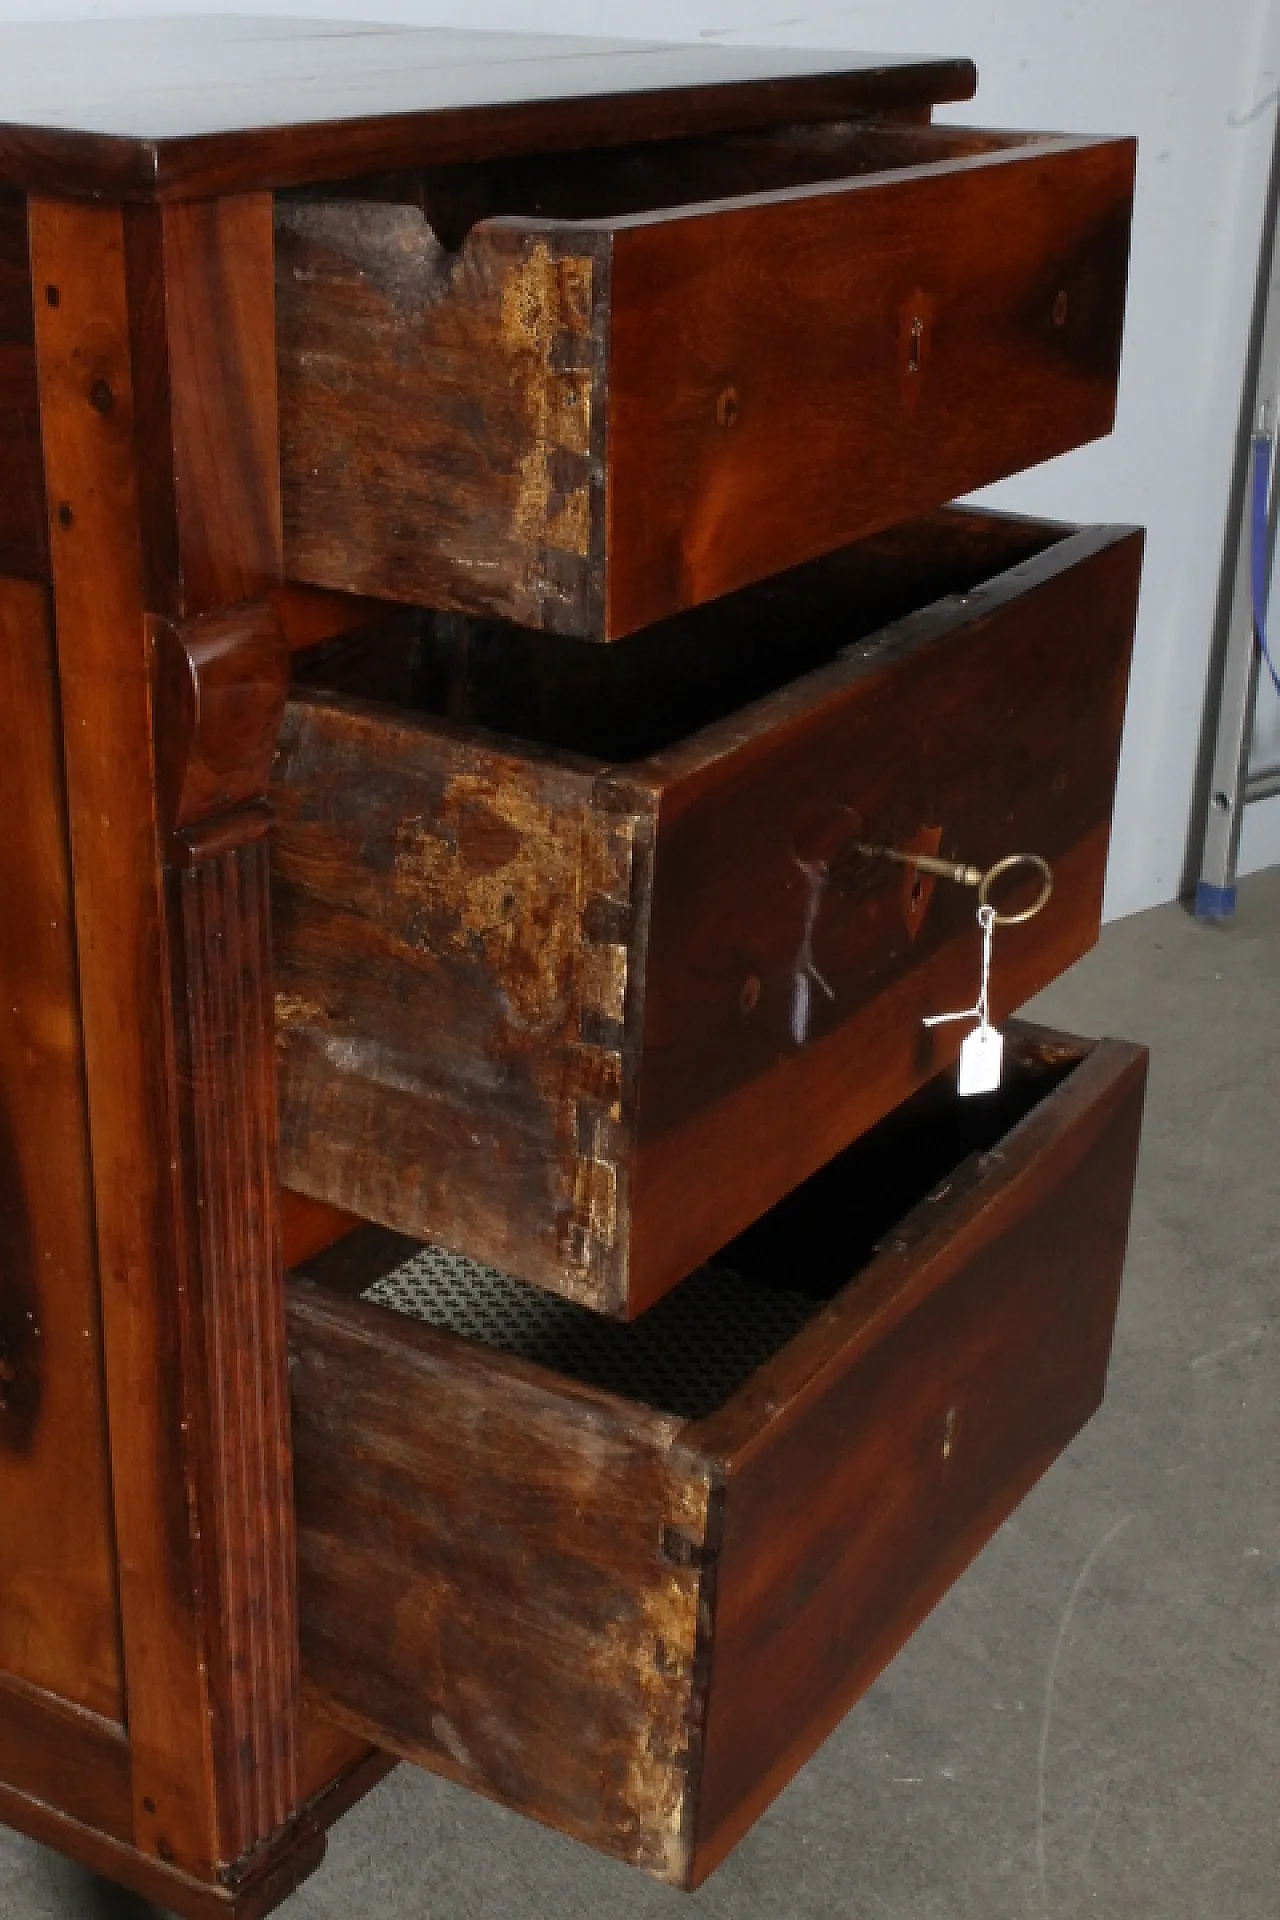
x=1197 y=84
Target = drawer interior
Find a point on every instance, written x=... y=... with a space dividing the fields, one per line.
x=616 y=183
x=691 y=1352
x=650 y=690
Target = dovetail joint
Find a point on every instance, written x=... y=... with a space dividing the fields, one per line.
x=604 y=979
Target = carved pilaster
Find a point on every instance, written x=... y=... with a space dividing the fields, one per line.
x=220 y=690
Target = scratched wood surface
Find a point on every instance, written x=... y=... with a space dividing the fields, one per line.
x=24 y=540
x=501 y=1574
x=585 y=399
x=508 y=1024
x=59 y=1620
x=450 y=881
x=636 y=1628
x=439 y=415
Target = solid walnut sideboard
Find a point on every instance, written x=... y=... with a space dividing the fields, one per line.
x=477 y=586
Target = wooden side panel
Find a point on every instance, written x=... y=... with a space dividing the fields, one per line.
x=59 y=1622
x=105 y=674
x=441 y=414
x=452 y=967
x=174 y=962
x=499 y=1575
x=66 y=1758
x=790 y=374
x=788 y=976
x=24 y=539
x=961 y=1364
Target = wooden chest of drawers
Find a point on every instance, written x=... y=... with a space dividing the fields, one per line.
x=477 y=589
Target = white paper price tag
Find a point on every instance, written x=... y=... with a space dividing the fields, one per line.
x=981 y=1057
x=982 y=1053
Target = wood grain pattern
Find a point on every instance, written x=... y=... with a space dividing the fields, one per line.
x=24 y=541
x=203 y=324
x=298 y=1852
x=487 y=1591
x=179 y=1062
x=552 y=1022
x=587 y=421
x=220 y=690
x=220 y=901
x=59 y=1620
x=233 y=105
x=66 y=1757
x=439 y=415
x=637 y=1628
x=968 y=1358
x=1012 y=267
x=949 y=725
x=104 y=672
x=469 y=919
x=220 y=695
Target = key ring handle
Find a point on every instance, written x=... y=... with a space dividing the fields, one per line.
x=1010 y=862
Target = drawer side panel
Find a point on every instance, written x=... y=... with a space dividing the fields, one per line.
x=982 y=1350
x=453 y=942
x=441 y=414
x=500 y=1580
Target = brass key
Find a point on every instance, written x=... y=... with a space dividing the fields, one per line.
x=967 y=876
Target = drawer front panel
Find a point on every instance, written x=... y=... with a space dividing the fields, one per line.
x=917 y=1442
x=794 y=374
x=784 y=1007
x=635 y=1626
x=589 y=424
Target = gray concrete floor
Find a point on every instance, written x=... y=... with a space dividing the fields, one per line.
x=1090 y=1723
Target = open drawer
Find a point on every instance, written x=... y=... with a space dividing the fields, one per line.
x=627 y=1578
x=578 y=968
x=587 y=391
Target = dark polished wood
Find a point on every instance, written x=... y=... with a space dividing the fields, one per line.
x=175 y=971
x=636 y=1626
x=605 y=403
x=543 y=1001
x=59 y=1618
x=221 y=684
x=203 y=343
x=236 y=105
x=309 y=1226
x=65 y=1756
x=296 y=1854
x=24 y=540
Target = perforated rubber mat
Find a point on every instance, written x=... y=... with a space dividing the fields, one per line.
x=687 y=1355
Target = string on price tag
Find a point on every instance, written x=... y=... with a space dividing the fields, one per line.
x=982 y=1052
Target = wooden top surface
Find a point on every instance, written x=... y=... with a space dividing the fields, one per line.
x=217 y=103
